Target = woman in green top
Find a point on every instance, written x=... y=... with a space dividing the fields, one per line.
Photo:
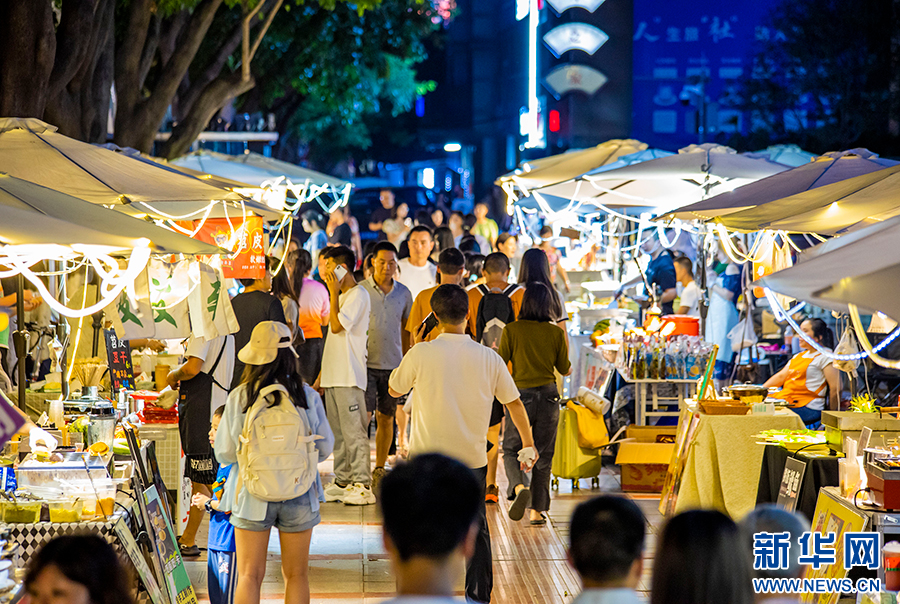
x=534 y=345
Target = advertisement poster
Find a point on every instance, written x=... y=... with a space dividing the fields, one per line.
x=178 y=584
x=245 y=236
x=832 y=517
x=140 y=564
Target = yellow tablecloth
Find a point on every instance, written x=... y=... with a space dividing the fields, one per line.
x=723 y=461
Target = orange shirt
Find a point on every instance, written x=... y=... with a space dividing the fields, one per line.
x=421 y=308
x=475 y=296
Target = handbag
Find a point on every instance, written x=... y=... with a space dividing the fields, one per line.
x=592 y=432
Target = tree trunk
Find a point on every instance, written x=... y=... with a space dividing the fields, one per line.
x=27 y=49
x=79 y=103
x=211 y=100
x=138 y=117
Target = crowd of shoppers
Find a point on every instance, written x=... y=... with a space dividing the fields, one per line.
x=429 y=342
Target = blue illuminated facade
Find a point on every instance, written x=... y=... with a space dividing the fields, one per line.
x=685 y=51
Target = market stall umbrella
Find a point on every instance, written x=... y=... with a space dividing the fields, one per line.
x=669 y=182
x=555 y=169
x=32 y=214
x=827 y=169
x=34 y=151
x=242 y=188
x=578 y=189
x=788 y=155
x=827 y=210
x=265 y=172
x=861 y=268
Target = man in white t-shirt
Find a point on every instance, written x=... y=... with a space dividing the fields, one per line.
x=689 y=301
x=202 y=381
x=344 y=379
x=416 y=272
x=457 y=380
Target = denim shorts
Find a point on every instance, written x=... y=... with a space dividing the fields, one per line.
x=291 y=516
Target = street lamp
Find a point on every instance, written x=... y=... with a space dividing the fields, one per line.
x=694 y=93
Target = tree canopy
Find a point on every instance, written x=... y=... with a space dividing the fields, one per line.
x=826 y=76
x=322 y=87
x=332 y=60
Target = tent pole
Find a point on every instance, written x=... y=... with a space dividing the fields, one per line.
x=19 y=339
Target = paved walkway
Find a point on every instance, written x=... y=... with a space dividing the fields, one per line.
x=348 y=564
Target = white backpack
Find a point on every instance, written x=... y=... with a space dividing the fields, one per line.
x=277 y=455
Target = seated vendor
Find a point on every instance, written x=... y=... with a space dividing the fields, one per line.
x=809 y=375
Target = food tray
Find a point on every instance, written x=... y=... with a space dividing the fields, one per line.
x=722 y=408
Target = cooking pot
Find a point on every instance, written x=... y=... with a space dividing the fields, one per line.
x=747 y=393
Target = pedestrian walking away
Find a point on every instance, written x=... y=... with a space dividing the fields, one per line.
x=534 y=346
x=462 y=379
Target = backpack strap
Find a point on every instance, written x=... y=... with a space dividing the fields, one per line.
x=509 y=291
x=483 y=289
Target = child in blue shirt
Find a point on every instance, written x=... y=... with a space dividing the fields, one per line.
x=221 y=564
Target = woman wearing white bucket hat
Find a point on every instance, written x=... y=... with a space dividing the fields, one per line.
x=271 y=369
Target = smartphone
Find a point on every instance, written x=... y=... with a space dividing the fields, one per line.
x=340 y=272
x=430 y=323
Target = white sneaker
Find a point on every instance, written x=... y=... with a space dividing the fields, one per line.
x=335 y=492
x=358 y=494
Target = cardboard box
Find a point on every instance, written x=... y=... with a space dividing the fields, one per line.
x=645 y=460
x=842 y=424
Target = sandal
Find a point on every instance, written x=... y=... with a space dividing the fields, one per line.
x=189 y=551
x=539 y=521
x=520 y=504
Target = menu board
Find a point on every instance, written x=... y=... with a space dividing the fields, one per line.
x=794 y=469
x=121 y=372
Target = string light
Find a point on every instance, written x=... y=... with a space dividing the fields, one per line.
x=868 y=349
x=867 y=346
x=20 y=259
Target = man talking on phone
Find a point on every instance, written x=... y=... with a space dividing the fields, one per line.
x=344 y=379
x=451 y=268
x=453 y=418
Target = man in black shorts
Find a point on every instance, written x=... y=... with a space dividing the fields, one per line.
x=388 y=341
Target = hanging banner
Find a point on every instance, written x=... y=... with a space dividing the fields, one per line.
x=134 y=310
x=170 y=287
x=210 y=307
x=246 y=235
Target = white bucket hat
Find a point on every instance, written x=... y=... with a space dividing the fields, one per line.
x=266 y=339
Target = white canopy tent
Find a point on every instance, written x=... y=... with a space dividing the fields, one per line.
x=555 y=169
x=830 y=209
x=34 y=151
x=827 y=169
x=788 y=155
x=32 y=214
x=273 y=175
x=861 y=268
x=671 y=181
